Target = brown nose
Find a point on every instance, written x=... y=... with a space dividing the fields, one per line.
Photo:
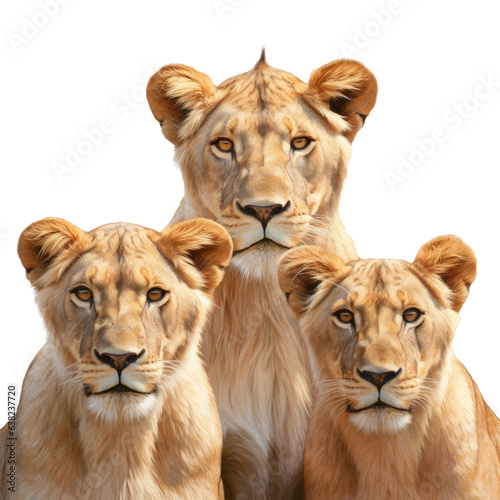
x=378 y=379
x=119 y=361
x=263 y=213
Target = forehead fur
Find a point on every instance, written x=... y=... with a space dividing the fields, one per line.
x=384 y=279
x=263 y=91
x=120 y=238
x=263 y=85
x=124 y=254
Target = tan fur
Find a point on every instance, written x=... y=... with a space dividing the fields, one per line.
x=163 y=439
x=440 y=440
x=256 y=358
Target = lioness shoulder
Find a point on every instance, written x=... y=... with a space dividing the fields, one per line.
x=117 y=403
x=396 y=415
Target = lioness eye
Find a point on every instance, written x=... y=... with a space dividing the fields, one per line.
x=300 y=142
x=412 y=314
x=225 y=145
x=83 y=293
x=345 y=316
x=156 y=294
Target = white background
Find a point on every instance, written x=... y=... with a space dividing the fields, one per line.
x=63 y=74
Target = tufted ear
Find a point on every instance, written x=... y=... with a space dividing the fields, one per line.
x=303 y=269
x=453 y=261
x=199 y=249
x=176 y=93
x=344 y=87
x=47 y=248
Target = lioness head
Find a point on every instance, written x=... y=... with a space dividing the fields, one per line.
x=124 y=305
x=380 y=331
x=264 y=154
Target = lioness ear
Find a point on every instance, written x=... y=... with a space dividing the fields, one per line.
x=176 y=93
x=453 y=261
x=346 y=88
x=303 y=269
x=47 y=247
x=199 y=249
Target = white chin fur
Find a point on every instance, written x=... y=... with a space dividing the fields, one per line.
x=114 y=408
x=381 y=422
x=258 y=261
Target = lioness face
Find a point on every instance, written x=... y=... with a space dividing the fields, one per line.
x=379 y=331
x=134 y=318
x=263 y=154
x=283 y=166
x=378 y=337
x=276 y=176
x=125 y=306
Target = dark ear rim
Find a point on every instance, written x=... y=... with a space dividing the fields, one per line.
x=46 y=242
x=347 y=88
x=199 y=250
x=159 y=103
x=453 y=262
x=173 y=93
x=302 y=270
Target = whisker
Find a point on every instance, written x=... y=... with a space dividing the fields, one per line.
x=319 y=231
x=338 y=286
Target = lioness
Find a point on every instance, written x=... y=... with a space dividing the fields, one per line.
x=396 y=416
x=117 y=404
x=265 y=155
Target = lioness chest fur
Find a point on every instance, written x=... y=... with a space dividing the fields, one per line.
x=396 y=416
x=265 y=155
x=117 y=404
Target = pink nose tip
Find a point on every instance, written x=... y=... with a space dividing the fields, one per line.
x=119 y=361
x=378 y=379
x=263 y=213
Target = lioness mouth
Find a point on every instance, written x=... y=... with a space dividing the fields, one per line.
x=264 y=242
x=118 y=388
x=379 y=405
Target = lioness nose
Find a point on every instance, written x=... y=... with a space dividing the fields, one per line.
x=378 y=379
x=263 y=213
x=119 y=361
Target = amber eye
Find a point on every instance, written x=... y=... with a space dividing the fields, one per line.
x=156 y=294
x=300 y=142
x=83 y=293
x=412 y=314
x=344 y=316
x=225 y=145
